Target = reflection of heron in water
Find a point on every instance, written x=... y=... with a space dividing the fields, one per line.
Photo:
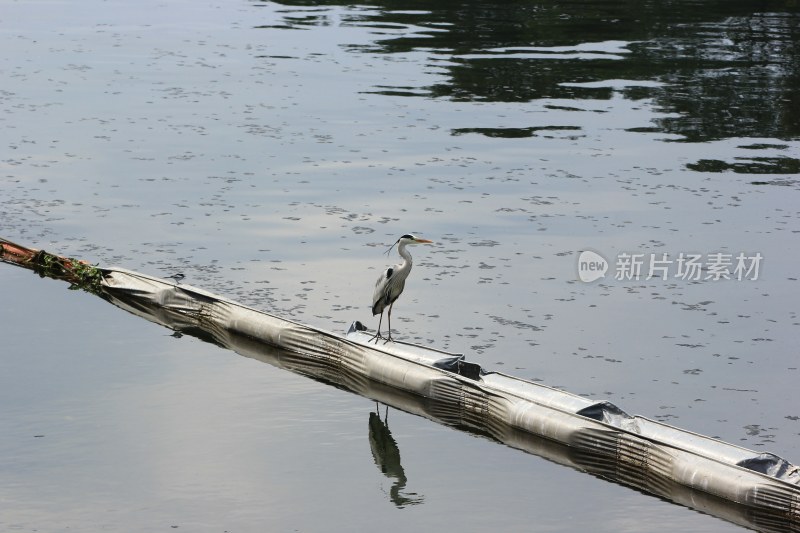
x=387 y=456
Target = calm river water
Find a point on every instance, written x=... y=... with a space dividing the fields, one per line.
x=272 y=151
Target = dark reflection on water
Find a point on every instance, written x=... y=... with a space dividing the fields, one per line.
x=515 y=133
x=721 y=69
x=386 y=454
x=753 y=165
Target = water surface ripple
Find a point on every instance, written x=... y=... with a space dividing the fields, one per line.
x=272 y=151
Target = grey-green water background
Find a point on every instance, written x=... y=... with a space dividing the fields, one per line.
x=272 y=151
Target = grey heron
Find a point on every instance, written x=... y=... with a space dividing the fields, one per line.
x=391 y=282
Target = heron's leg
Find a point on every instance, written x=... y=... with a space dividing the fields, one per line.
x=389 y=317
x=377 y=333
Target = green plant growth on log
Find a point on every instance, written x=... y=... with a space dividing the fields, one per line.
x=80 y=274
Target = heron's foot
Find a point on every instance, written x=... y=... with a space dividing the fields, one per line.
x=376 y=337
x=387 y=339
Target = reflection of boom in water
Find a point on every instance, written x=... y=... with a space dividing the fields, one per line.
x=387 y=456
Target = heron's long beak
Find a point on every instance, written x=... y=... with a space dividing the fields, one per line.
x=423 y=241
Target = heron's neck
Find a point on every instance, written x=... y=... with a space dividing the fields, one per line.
x=404 y=253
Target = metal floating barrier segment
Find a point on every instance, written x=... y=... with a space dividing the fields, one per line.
x=752 y=489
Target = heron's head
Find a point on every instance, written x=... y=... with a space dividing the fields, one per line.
x=412 y=239
x=407 y=239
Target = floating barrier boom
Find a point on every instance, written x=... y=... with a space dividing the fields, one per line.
x=759 y=490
